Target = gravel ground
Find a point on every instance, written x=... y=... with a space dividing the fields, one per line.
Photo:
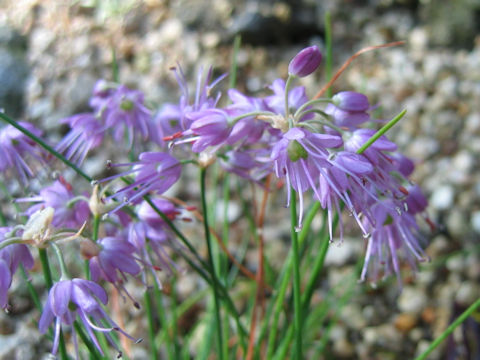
x=435 y=77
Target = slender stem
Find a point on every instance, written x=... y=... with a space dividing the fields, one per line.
x=45 y=146
x=287 y=88
x=296 y=280
x=449 y=329
x=328 y=47
x=61 y=261
x=216 y=296
x=309 y=103
x=166 y=337
x=380 y=132
x=282 y=284
x=233 y=67
x=151 y=326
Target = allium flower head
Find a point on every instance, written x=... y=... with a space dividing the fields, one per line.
x=68 y=299
x=305 y=62
x=125 y=112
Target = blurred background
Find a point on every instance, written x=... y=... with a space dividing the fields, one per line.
x=52 y=52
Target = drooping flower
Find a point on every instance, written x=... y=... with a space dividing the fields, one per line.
x=68 y=299
x=109 y=259
x=15 y=146
x=305 y=62
x=11 y=256
x=394 y=238
x=299 y=158
x=155 y=171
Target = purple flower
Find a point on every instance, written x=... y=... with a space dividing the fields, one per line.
x=124 y=111
x=86 y=133
x=299 y=158
x=14 y=146
x=394 y=237
x=351 y=101
x=114 y=257
x=68 y=299
x=346 y=119
x=10 y=257
x=305 y=62
x=208 y=128
x=155 y=257
x=173 y=118
x=416 y=201
x=69 y=212
x=155 y=171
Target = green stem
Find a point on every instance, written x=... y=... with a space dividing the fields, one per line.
x=296 y=280
x=282 y=284
x=151 y=326
x=216 y=296
x=287 y=110
x=380 y=132
x=61 y=261
x=45 y=146
x=233 y=67
x=449 y=330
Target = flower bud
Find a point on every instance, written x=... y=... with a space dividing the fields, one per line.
x=351 y=101
x=305 y=62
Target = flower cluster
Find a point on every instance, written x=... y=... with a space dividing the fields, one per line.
x=315 y=147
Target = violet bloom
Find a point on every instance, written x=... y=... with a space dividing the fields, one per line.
x=125 y=112
x=299 y=158
x=350 y=120
x=11 y=257
x=343 y=181
x=68 y=299
x=394 y=237
x=249 y=129
x=173 y=118
x=69 y=211
x=305 y=62
x=109 y=259
x=86 y=133
x=14 y=146
x=155 y=171
x=208 y=128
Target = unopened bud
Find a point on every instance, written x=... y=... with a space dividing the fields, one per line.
x=305 y=62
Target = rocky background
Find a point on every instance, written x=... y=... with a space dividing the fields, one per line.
x=52 y=52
